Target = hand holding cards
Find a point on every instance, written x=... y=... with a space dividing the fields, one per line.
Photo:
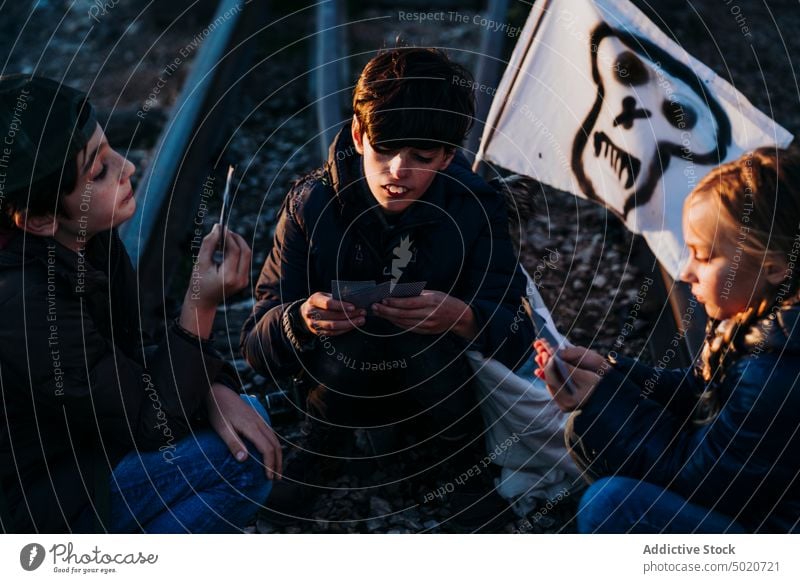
x=362 y=294
x=549 y=356
x=409 y=306
x=346 y=308
x=571 y=373
x=325 y=315
x=548 y=332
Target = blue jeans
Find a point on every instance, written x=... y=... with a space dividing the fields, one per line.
x=625 y=505
x=195 y=487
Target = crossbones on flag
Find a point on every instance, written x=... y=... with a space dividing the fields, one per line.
x=597 y=101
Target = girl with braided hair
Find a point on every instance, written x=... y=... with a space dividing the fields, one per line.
x=713 y=448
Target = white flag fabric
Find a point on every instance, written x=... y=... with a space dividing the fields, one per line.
x=524 y=426
x=599 y=102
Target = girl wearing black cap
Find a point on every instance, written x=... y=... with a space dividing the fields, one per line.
x=96 y=431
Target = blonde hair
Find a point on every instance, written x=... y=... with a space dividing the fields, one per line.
x=759 y=199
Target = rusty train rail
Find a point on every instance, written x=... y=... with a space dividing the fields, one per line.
x=187 y=151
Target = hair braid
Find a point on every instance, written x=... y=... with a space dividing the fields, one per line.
x=720 y=349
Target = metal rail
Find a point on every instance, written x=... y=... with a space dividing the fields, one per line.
x=488 y=71
x=185 y=153
x=328 y=50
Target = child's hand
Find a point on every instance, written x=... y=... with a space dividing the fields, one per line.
x=577 y=356
x=211 y=283
x=233 y=420
x=582 y=381
x=581 y=366
x=324 y=315
x=432 y=312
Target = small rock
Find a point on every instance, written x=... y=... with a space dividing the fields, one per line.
x=379 y=507
x=545 y=522
x=430 y=524
x=346 y=505
x=358 y=495
x=264 y=527
x=600 y=280
x=393 y=489
x=412 y=525
x=362 y=442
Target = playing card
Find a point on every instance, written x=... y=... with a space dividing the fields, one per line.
x=542 y=329
x=342 y=289
x=407 y=290
x=563 y=373
x=369 y=296
x=542 y=324
x=363 y=294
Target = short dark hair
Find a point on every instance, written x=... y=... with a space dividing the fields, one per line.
x=414 y=97
x=44 y=196
x=48 y=125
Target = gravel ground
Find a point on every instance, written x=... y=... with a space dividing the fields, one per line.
x=578 y=253
x=117 y=56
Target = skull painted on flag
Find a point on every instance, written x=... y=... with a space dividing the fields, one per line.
x=651 y=110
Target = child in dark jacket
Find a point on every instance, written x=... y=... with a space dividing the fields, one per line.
x=715 y=448
x=94 y=431
x=396 y=203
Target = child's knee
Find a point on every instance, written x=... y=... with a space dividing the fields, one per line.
x=601 y=500
x=248 y=478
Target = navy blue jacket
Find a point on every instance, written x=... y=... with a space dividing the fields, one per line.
x=327 y=230
x=745 y=463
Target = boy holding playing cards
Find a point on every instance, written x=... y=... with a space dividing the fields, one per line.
x=415 y=246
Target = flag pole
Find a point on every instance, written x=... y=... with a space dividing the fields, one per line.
x=492 y=127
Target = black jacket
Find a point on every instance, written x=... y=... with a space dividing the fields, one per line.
x=329 y=228
x=745 y=463
x=78 y=390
